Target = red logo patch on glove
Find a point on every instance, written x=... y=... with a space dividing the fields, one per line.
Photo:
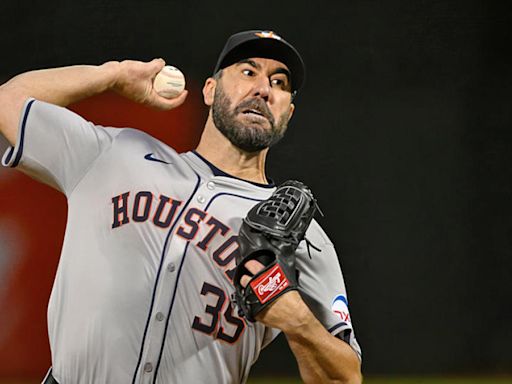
x=269 y=284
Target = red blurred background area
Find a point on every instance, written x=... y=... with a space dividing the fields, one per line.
x=32 y=223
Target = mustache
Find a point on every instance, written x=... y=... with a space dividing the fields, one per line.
x=258 y=105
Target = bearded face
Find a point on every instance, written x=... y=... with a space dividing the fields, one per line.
x=249 y=125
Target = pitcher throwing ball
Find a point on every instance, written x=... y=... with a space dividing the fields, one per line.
x=146 y=280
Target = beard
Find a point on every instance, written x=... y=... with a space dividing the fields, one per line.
x=252 y=137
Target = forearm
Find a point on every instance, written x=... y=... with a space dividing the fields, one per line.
x=322 y=357
x=66 y=85
x=61 y=86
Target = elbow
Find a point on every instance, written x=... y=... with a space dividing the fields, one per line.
x=3 y=94
x=4 y=105
x=355 y=375
x=355 y=378
x=11 y=103
x=352 y=374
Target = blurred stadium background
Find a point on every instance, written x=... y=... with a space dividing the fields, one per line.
x=403 y=130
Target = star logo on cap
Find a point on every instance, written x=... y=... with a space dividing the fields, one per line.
x=268 y=35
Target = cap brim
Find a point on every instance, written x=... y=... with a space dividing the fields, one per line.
x=267 y=48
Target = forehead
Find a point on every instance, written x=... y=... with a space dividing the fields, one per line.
x=262 y=64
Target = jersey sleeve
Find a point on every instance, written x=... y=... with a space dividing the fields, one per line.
x=322 y=286
x=55 y=145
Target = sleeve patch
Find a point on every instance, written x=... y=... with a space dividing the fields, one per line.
x=339 y=307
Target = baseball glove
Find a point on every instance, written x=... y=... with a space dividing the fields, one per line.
x=270 y=234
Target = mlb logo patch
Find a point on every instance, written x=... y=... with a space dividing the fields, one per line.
x=339 y=307
x=269 y=284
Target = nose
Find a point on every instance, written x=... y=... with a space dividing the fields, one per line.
x=262 y=88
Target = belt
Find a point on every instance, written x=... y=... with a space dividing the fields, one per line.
x=49 y=379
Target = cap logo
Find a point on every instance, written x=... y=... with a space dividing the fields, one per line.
x=268 y=35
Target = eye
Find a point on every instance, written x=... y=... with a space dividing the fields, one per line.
x=280 y=81
x=248 y=72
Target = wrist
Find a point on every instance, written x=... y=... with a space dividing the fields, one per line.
x=111 y=71
x=300 y=317
x=300 y=326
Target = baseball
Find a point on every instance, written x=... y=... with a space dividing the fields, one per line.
x=169 y=82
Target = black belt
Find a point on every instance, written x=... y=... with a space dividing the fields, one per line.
x=49 y=379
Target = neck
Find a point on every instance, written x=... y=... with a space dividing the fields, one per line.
x=219 y=151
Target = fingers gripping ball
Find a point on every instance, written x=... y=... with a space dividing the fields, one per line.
x=169 y=82
x=270 y=234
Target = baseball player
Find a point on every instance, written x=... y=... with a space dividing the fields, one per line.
x=143 y=288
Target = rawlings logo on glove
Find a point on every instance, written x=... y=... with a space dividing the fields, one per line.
x=269 y=284
x=270 y=234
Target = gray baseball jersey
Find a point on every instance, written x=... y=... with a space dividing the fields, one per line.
x=142 y=291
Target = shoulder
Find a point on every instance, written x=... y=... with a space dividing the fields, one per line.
x=317 y=235
x=133 y=134
x=131 y=139
x=317 y=249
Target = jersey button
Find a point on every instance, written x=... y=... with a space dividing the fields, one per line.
x=201 y=199
x=148 y=367
x=171 y=267
x=210 y=185
x=160 y=316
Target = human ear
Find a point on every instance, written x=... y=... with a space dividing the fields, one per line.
x=290 y=111
x=209 y=91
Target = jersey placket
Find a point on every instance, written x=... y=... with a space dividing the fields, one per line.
x=167 y=290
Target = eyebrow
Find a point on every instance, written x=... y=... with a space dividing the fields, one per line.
x=254 y=64
x=285 y=71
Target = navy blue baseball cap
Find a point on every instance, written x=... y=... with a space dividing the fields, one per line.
x=266 y=44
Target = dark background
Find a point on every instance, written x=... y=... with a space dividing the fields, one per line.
x=403 y=131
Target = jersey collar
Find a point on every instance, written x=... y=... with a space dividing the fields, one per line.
x=219 y=172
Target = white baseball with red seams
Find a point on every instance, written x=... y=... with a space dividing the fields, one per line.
x=169 y=82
